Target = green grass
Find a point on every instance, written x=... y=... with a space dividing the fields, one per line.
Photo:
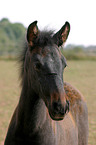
x=81 y=74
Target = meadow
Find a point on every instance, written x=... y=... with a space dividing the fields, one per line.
x=81 y=74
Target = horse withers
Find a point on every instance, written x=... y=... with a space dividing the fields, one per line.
x=50 y=111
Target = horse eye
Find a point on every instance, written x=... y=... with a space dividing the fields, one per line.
x=37 y=66
x=65 y=66
x=64 y=61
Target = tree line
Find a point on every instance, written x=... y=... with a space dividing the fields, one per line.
x=12 y=36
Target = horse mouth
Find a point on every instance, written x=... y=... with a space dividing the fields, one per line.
x=56 y=117
x=56 y=113
x=59 y=113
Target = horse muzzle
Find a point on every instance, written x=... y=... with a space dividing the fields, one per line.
x=58 y=110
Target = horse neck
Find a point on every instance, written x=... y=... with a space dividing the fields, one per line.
x=31 y=109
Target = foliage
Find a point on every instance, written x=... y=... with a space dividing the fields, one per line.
x=79 y=53
x=11 y=36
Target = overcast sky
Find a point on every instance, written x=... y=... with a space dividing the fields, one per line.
x=81 y=15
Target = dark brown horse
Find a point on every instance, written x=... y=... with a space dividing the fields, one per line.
x=50 y=111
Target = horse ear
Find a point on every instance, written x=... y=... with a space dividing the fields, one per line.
x=61 y=36
x=32 y=33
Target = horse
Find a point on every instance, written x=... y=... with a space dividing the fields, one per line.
x=50 y=111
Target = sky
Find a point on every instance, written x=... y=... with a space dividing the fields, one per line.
x=81 y=14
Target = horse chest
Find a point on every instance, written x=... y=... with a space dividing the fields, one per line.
x=57 y=133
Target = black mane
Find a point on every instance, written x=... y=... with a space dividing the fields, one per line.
x=44 y=38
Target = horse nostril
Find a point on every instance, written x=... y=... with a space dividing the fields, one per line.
x=62 y=111
x=57 y=107
x=67 y=106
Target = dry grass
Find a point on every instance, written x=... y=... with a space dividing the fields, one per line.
x=9 y=94
x=81 y=74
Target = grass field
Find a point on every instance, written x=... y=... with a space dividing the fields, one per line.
x=81 y=74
